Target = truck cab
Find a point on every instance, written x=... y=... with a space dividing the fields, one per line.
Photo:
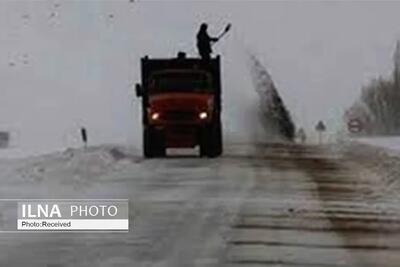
x=181 y=105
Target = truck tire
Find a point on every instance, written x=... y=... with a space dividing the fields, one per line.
x=217 y=146
x=148 y=151
x=153 y=143
x=159 y=144
x=204 y=143
x=211 y=140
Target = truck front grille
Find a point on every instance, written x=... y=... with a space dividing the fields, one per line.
x=179 y=116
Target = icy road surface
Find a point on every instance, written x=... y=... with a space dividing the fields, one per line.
x=258 y=205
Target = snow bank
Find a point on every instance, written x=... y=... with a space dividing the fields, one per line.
x=66 y=171
x=392 y=143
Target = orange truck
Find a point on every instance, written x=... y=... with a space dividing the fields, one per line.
x=181 y=105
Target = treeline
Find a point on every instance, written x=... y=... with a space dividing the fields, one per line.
x=274 y=116
x=378 y=107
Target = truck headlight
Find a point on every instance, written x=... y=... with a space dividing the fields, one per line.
x=203 y=115
x=155 y=116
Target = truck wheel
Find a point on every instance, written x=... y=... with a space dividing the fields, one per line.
x=159 y=144
x=204 y=141
x=211 y=141
x=153 y=143
x=148 y=150
x=205 y=150
x=217 y=140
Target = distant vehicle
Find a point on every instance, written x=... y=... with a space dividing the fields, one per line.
x=181 y=105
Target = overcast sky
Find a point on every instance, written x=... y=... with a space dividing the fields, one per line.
x=69 y=63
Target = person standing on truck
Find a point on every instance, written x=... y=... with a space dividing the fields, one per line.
x=204 y=42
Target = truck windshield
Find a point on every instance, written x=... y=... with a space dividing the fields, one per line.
x=180 y=82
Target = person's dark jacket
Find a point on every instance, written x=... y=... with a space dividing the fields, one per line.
x=204 y=43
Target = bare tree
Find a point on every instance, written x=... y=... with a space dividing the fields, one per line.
x=380 y=102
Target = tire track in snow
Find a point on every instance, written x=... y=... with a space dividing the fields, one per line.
x=272 y=228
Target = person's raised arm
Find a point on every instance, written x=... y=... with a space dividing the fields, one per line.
x=214 y=39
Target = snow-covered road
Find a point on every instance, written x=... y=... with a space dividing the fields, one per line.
x=258 y=205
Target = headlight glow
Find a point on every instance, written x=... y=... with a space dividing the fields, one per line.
x=155 y=116
x=203 y=115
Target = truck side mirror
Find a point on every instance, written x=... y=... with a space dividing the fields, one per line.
x=139 y=90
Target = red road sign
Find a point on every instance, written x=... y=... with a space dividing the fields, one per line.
x=355 y=126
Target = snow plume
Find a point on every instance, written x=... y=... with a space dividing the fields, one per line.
x=273 y=114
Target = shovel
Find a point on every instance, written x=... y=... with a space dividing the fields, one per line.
x=227 y=28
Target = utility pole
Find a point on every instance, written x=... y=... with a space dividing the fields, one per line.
x=84 y=136
x=320 y=128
